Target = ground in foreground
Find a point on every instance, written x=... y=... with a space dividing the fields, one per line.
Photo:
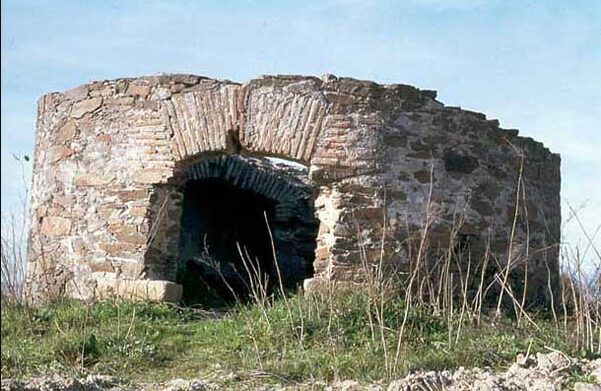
x=289 y=342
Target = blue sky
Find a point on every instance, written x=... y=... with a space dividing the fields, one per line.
x=534 y=65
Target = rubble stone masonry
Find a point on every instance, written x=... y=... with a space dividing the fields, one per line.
x=385 y=163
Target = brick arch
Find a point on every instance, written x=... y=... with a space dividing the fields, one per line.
x=247 y=174
x=260 y=120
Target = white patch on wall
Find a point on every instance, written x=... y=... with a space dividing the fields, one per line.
x=293 y=164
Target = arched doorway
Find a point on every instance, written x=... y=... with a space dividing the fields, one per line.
x=236 y=213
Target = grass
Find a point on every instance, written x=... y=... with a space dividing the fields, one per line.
x=577 y=376
x=297 y=339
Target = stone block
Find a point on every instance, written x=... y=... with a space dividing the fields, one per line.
x=463 y=164
x=58 y=153
x=131 y=195
x=130 y=289
x=64 y=201
x=139 y=211
x=423 y=176
x=85 y=106
x=90 y=180
x=133 y=270
x=55 y=226
x=66 y=132
x=152 y=175
x=77 y=93
x=126 y=233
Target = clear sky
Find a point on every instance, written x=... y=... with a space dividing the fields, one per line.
x=534 y=65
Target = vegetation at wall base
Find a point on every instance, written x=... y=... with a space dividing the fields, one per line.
x=317 y=337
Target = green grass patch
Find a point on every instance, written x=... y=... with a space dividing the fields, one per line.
x=297 y=339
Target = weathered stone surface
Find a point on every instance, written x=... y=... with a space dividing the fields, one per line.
x=58 y=153
x=77 y=93
x=138 y=211
x=130 y=195
x=455 y=162
x=64 y=201
x=126 y=233
x=87 y=180
x=151 y=175
x=55 y=226
x=66 y=132
x=133 y=270
x=85 y=106
x=138 y=90
x=111 y=158
x=148 y=290
x=482 y=207
x=423 y=176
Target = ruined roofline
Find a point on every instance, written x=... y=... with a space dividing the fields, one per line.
x=358 y=88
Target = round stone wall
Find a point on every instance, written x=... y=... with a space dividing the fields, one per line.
x=392 y=171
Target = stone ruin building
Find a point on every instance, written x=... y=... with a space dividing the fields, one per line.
x=145 y=187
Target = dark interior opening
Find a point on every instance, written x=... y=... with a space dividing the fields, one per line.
x=218 y=220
